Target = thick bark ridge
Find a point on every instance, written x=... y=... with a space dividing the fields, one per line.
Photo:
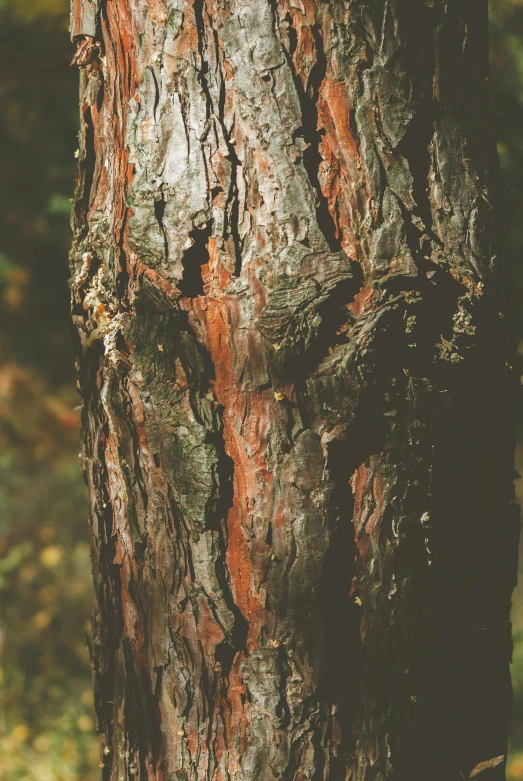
x=298 y=391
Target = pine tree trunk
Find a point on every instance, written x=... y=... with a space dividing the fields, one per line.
x=298 y=391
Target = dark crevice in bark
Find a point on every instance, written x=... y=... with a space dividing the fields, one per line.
x=156 y=92
x=201 y=27
x=232 y=210
x=224 y=655
x=159 y=211
x=237 y=640
x=158 y=685
x=415 y=148
x=89 y=160
x=135 y=713
x=293 y=36
x=303 y=402
x=309 y=131
x=335 y=317
x=289 y=426
x=122 y=280
x=232 y=207
x=194 y=258
x=222 y=93
x=152 y=712
x=185 y=107
x=319 y=762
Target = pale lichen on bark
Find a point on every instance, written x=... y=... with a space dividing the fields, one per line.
x=297 y=422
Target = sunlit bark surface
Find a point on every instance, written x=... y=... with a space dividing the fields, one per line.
x=297 y=384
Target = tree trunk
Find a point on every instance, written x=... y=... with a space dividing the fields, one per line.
x=298 y=390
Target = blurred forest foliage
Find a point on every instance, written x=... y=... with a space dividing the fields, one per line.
x=46 y=713
x=46 y=716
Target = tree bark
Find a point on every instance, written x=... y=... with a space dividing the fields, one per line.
x=298 y=389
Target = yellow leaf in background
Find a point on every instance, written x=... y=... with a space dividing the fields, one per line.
x=68 y=749
x=42 y=744
x=20 y=733
x=18 y=280
x=85 y=723
x=515 y=768
x=87 y=698
x=42 y=619
x=51 y=556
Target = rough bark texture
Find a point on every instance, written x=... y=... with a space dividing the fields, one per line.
x=297 y=389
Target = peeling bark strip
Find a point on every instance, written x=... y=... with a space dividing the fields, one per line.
x=298 y=405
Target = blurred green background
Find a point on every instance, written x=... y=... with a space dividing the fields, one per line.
x=46 y=595
x=46 y=716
